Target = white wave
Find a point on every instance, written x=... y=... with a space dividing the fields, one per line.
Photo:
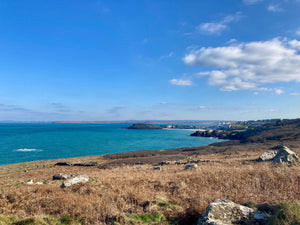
x=28 y=150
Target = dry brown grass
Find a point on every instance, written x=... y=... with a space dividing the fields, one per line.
x=174 y=192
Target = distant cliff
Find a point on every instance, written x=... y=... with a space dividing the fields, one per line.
x=143 y=126
x=280 y=130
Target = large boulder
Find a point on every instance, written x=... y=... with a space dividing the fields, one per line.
x=75 y=180
x=225 y=212
x=268 y=155
x=285 y=155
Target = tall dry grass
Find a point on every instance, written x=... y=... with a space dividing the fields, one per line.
x=174 y=192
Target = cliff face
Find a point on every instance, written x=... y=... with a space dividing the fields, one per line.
x=142 y=126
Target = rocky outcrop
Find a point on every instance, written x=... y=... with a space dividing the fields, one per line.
x=221 y=134
x=285 y=155
x=75 y=180
x=268 y=155
x=143 y=126
x=62 y=176
x=225 y=212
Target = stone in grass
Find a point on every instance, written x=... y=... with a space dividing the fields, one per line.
x=62 y=176
x=190 y=166
x=157 y=168
x=29 y=182
x=221 y=212
x=268 y=155
x=285 y=155
x=75 y=180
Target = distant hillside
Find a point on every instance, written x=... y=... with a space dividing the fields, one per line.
x=280 y=130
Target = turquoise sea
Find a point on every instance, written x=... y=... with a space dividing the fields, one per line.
x=34 y=141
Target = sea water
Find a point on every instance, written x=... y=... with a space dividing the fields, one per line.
x=34 y=141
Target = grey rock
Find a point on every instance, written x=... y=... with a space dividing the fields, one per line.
x=75 y=180
x=225 y=212
x=39 y=183
x=189 y=166
x=29 y=182
x=268 y=155
x=285 y=155
x=62 y=176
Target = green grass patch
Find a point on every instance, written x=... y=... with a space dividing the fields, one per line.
x=150 y=218
x=163 y=203
x=37 y=220
x=286 y=214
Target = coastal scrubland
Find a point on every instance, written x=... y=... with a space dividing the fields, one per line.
x=131 y=194
x=124 y=188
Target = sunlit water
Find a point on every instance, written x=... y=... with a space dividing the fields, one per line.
x=27 y=142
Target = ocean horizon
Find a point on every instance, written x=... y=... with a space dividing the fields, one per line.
x=22 y=142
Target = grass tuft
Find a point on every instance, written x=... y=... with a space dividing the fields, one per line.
x=151 y=218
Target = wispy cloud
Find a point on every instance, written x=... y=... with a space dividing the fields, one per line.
x=181 y=82
x=279 y=91
x=248 y=65
x=298 y=32
x=251 y=2
x=116 y=110
x=166 y=56
x=219 y=26
x=274 y=8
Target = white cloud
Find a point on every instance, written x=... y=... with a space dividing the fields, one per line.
x=251 y=2
x=231 y=41
x=212 y=28
x=255 y=93
x=218 y=27
x=294 y=93
x=279 y=91
x=248 y=65
x=274 y=8
x=163 y=103
x=298 y=32
x=294 y=44
x=181 y=82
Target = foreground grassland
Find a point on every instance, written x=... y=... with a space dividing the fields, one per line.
x=137 y=194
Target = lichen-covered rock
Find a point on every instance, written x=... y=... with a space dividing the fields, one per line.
x=268 y=155
x=75 y=180
x=225 y=212
x=190 y=166
x=285 y=155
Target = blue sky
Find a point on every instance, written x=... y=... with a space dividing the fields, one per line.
x=148 y=59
